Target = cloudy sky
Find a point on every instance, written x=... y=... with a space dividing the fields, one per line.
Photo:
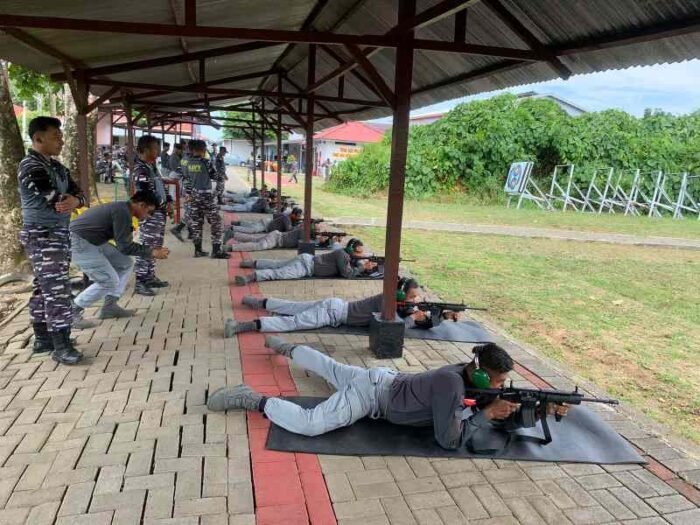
x=670 y=87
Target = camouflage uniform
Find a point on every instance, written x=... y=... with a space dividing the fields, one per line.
x=46 y=239
x=200 y=173
x=220 y=166
x=151 y=229
x=186 y=191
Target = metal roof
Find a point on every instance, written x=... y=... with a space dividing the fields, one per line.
x=583 y=35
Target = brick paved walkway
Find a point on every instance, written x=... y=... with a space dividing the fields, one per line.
x=125 y=437
x=524 y=231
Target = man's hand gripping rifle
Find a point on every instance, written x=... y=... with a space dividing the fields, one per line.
x=534 y=404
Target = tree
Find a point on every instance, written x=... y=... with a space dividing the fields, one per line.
x=239 y=134
x=71 y=152
x=11 y=153
x=33 y=88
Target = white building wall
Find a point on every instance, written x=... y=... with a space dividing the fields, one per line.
x=238 y=147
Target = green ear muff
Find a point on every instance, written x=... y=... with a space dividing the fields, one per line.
x=400 y=295
x=481 y=378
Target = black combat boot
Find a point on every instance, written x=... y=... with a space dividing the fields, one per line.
x=42 y=339
x=157 y=283
x=142 y=288
x=198 y=249
x=63 y=350
x=177 y=231
x=190 y=235
x=216 y=252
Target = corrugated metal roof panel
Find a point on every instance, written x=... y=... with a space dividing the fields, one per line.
x=553 y=22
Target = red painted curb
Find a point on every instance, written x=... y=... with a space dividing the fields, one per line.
x=289 y=488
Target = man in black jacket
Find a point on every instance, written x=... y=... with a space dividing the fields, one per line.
x=109 y=266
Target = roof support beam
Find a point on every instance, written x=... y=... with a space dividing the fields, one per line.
x=374 y=76
x=238 y=33
x=515 y=25
x=169 y=60
x=99 y=100
x=397 y=168
x=309 y=139
x=37 y=45
x=233 y=92
x=461 y=27
x=341 y=60
x=191 y=13
x=425 y=18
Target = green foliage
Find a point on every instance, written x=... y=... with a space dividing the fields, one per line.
x=469 y=150
x=235 y=133
x=27 y=85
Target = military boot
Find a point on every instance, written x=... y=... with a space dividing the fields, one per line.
x=216 y=252
x=63 y=350
x=42 y=339
x=198 y=252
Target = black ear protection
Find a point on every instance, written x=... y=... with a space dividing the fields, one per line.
x=480 y=377
x=352 y=244
x=402 y=288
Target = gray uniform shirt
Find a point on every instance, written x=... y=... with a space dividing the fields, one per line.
x=101 y=224
x=174 y=162
x=291 y=239
x=334 y=263
x=436 y=398
x=360 y=312
x=280 y=222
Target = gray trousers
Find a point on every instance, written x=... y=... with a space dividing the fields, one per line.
x=285 y=269
x=255 y=242
x=108 y=269
x=252 y=226
x=303 y=315
x=360 y=392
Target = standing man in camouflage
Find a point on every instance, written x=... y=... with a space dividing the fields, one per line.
x=48 y=196
x=201 y=173
x=220 y=165
x=151 y=229
x=178 y=162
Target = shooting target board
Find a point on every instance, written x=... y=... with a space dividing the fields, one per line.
x=518 y=174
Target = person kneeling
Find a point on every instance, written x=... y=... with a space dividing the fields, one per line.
x=107 y=266
x=336 y=263
x=435 y=397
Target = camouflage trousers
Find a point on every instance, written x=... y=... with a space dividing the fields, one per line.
x=203 y=205
x=151 y=233
x=220 y=187
x=48 y=249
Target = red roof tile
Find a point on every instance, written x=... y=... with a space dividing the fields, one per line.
x=351 y=132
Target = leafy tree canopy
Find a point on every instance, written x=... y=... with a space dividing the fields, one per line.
x=470 y=148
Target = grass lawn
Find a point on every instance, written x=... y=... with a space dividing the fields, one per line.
x=457 y=210
x=626 y=318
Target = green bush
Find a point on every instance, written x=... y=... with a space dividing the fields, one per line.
x=469 y=150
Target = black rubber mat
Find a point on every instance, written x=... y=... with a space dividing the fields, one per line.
x=581 y=437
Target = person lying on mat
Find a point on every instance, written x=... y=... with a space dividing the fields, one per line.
x=336 y=263
x=280 y=222
x=435 y=397
x=255 y=242
x=308 y=315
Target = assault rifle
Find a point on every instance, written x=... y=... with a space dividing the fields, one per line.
x=533 y=404
x=434 y=311
x=379 y=259
x=331 y=234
